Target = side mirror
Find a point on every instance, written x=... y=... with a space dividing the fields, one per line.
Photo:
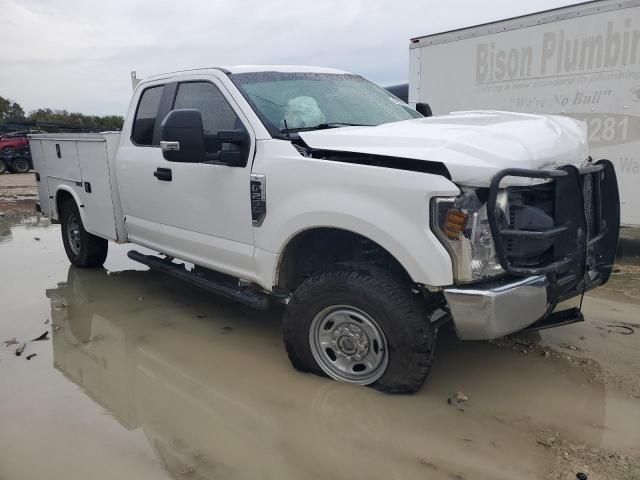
x=234 y=147
x=182 y=136
x=238 y=136
x=424 y=109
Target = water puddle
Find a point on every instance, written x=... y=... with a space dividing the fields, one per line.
x=145 y=377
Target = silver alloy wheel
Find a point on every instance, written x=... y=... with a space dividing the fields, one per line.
x=348 y=345
x=73 y=234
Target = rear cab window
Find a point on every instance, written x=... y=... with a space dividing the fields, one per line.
x=146 y=115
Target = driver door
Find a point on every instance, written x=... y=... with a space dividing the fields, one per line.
x=191 y=210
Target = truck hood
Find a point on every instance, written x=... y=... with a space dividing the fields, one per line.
x=472 y=145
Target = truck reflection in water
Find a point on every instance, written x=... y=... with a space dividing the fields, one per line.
x=208 y=383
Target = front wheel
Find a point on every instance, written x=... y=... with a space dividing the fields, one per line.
x=359 y=324
x=3 y=166
x=83 y=249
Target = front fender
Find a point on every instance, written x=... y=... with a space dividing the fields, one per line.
x=387 y=206
x=417 y=250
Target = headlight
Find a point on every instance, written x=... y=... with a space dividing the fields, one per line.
x=462 y=226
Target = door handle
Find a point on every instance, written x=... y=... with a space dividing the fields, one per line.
x=163 y=174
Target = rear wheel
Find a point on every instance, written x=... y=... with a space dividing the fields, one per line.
x=3 y=167
x=21 y=165
x=359 y=324
x=83 y=249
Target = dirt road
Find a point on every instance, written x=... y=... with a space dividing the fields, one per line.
x=18 y=193
x=140 y=376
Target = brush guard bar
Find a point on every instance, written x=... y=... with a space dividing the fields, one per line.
x=584 y=235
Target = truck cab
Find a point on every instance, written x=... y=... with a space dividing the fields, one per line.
x=315 y=188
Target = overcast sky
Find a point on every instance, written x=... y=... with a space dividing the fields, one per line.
x=77 y=54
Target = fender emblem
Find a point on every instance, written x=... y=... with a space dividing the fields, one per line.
x=258 y=192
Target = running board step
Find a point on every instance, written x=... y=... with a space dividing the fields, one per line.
x=243 y=295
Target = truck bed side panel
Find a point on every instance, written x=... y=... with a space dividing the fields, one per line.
x=80 y=165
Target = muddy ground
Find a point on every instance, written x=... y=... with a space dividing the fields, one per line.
x=135 y=375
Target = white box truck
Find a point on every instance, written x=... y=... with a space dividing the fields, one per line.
x=582 y=61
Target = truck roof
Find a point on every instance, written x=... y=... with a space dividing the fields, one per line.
x=254 y=68
x=280 y=68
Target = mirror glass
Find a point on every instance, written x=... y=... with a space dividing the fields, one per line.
x=182 y=137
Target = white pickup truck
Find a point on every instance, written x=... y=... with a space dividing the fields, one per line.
x=317 y=189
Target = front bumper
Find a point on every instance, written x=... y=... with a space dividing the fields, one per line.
x=498 y=308
x=584 y=238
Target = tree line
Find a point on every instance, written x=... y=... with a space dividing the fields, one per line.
x=12 y=114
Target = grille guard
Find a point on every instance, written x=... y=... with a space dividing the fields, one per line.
x=584 y=236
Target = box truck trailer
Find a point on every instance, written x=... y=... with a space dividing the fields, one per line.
x=582 y=61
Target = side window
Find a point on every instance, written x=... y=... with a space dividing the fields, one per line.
x=216 y=112
x=146 y=114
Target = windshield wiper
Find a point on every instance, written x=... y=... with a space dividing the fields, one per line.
x=324 y=126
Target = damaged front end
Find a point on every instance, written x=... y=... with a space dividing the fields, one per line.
x=528 y=248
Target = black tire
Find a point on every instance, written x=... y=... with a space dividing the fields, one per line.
x=400 y=314
x=3 y=167
x=85 y=250
x=20 y=165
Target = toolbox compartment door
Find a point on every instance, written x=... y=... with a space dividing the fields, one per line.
x=95 y=190
x=37 y=156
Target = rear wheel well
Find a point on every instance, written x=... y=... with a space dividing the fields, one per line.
x=312 y=250
x=62 y=197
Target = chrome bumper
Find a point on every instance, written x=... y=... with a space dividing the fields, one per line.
x=497 y=309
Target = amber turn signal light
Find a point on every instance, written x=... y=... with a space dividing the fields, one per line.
x=454 y=223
